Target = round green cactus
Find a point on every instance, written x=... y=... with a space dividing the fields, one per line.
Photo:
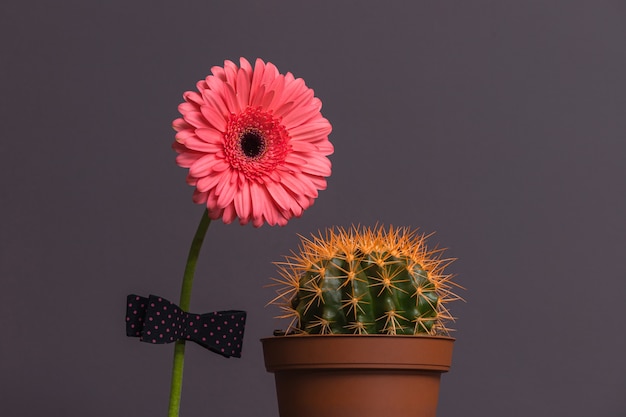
x=365 y=281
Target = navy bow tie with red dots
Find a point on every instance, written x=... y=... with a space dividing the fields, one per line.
x=156 y=320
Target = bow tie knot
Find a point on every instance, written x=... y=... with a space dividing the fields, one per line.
x=156 y=320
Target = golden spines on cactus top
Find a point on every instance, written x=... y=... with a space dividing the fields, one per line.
x=365 y=281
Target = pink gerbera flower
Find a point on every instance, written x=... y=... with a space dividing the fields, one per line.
x=255 y=143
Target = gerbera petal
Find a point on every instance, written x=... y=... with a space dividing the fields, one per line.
x=281 y=219
x=243 y=89
x=279 y=195
x=222 y=165
x=187 y=107
x=295 y=159
x=300 y=115
x=313 y=129
x=211 y=201
x=214 y=99
x=218 y=72
x=325 y=147
x=295 y=104
x=302 y=146
x=187 y=158
x=270 y=73
x=229 y=214
x=230 y=70
x=208 y=182
x=192 y=96
x=261 y=97
x=230 y=97
x=258 y=197
x=277 y=86
x=243 y=202
x=245 y=66
x=257 y=222
x=225 y=191
x=214 y=213
x=208 y=134
x=271 y=212
x=299 y=185
x=215 y=119
x=199 y=197
x=317 y=102
x=196 y=119
x=191 y=180
x=317 y=166
x=296 y=210
x=284 y=109
x=257 y=78
x=306 y=97
x=196 y=144
x=183 y=135
x=320 y=182
x=257 y=96
x=201 y=85
x=304 y=201
x=294 y=87
x=180 y=124
x=215 y=85
x=205 y=165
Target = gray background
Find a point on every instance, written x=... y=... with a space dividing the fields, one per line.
x=500 y=125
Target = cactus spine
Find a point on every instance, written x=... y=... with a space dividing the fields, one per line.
x=365 y=281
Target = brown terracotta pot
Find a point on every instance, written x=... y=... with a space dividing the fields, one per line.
x=357 y=375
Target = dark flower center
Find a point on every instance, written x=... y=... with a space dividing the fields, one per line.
x=255 y=143
x=252 y=144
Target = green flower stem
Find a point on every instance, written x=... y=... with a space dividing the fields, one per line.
x=185 y=298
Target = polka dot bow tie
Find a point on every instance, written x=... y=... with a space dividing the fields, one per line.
x=156 y=320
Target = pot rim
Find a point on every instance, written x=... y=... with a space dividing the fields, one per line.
x=348 y=351
x=364 y=336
